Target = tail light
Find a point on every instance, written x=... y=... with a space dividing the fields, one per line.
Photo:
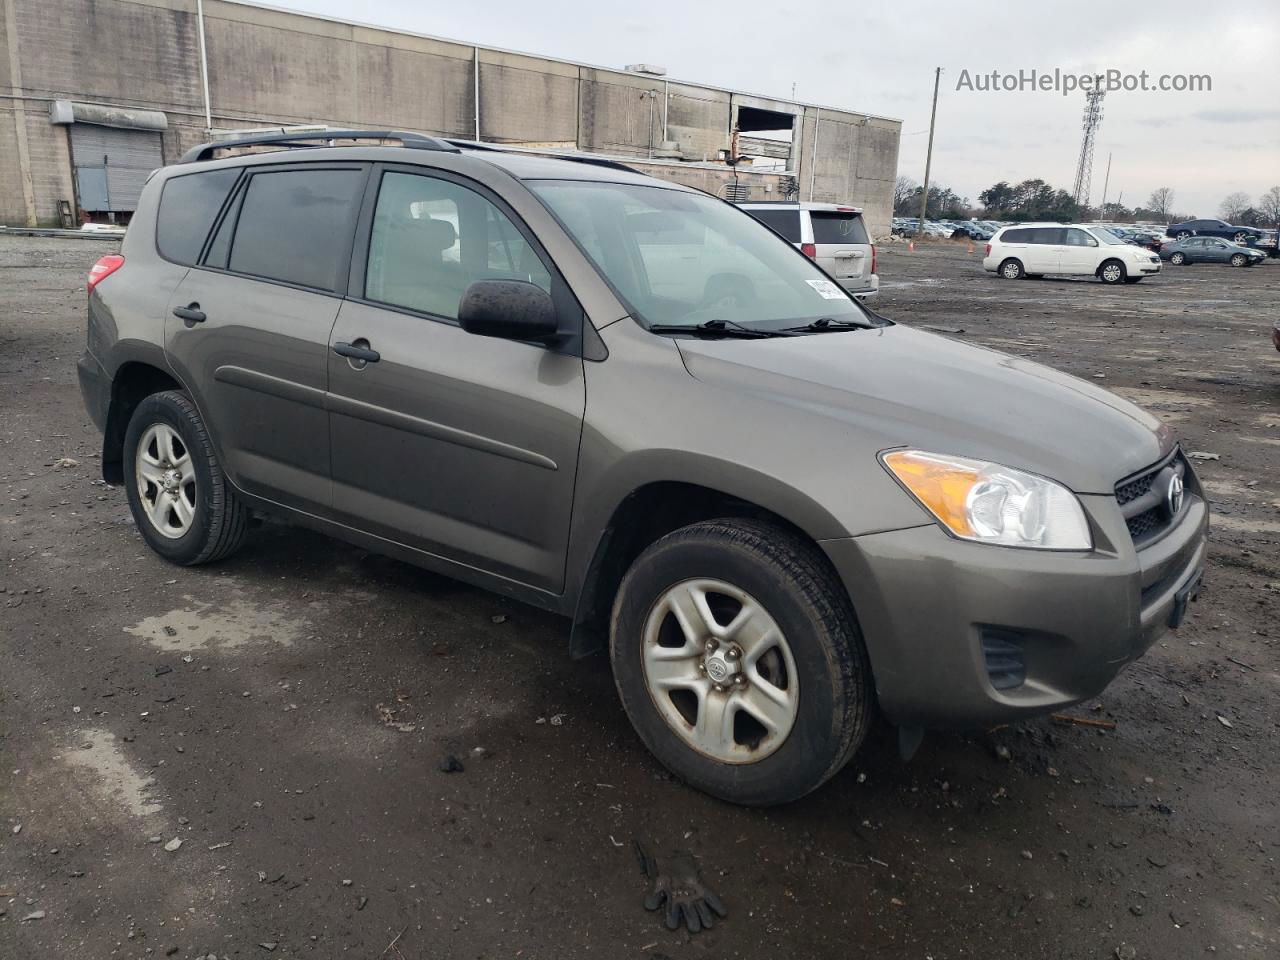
x=988 y=253
x=809 y=250
x=873 y=258
x=104 y=268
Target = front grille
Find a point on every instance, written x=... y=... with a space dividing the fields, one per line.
x=1144 y=501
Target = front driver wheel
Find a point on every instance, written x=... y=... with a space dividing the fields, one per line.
x=1111 y=272
x=1178 y=259
x=181 y=501
x=739 y=662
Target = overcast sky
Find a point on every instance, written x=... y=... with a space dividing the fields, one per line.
x=879 y=58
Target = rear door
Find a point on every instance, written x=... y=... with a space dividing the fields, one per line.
x=264 y=298
x=462 y=446
x=1044 y=250
x=842 y=246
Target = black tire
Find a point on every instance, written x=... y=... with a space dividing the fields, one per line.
x=1178 y=259
x=220 y=520
x=1239 y=260
x=789 y=577
x=1112 y=276
x=1011 y=269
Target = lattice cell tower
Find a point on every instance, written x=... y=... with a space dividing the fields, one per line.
x=1084 y=167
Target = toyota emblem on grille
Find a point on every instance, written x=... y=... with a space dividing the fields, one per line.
x=1173 y=496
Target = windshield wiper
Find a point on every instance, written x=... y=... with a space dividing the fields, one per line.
x=716 y=328
x=826 y=324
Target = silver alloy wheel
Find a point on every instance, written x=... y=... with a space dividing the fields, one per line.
x=1178 y=258
x=720 y=671
x=1238 y=260
x=1010 y=271
x=166 y=481
x=1112 y=272
x=1241 y=238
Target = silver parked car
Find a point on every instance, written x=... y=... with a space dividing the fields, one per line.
x=627 y=402
x=833 y=236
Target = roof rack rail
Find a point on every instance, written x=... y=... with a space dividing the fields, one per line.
x=415 y=141
x=554 y=155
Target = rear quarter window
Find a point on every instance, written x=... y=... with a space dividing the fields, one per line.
x=1015 y=236
x=784 y=222
x=188 y=206
x=836 y=227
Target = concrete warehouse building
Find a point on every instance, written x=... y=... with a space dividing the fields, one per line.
x=96 y=93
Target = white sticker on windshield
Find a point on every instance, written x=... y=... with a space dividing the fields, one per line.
x=827 y=290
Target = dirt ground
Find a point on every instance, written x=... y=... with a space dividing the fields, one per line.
x=283 y=714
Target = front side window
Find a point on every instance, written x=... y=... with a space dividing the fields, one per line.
x=433 y=238
x=679 y=258
x=295 y=225
x=1079 y=238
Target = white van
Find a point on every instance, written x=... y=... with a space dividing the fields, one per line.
x=1034 y=249
x=833 y=236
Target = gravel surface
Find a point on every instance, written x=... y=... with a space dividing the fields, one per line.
x=289 y=715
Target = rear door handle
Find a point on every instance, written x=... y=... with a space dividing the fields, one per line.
x=190 y=314
x=354 y=352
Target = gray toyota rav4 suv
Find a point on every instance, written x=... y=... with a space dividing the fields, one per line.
x=630 y=403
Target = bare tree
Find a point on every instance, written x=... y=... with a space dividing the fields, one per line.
x=904 y=189
x=1269 y=205
x=1234 y=206
x=1161 y=202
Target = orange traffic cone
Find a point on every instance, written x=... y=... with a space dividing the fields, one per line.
x=970 y=248
x=911 y=246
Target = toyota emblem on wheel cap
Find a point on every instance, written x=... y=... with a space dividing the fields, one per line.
x=1173 y=496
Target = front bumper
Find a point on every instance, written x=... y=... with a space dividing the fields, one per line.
x=944 y=619
x=95 y=388
x=1147 y=269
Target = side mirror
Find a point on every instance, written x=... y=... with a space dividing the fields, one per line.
x=509 y=310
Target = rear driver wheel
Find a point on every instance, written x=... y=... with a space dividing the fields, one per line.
x=739 y=662
x=1011 y=269
x=182 y=503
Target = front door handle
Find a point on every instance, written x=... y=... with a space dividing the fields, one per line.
x=190 y=314
x=360 y=350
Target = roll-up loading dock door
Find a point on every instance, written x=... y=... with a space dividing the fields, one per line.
x=111 y=165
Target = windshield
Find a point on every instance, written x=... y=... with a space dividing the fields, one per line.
x=678 y=258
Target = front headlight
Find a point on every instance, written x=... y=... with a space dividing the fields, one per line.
x=988 y=503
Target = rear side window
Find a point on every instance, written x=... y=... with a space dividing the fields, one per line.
x=1015 y=236
x=836 y=227
x=784 y=222
x=188 y=206
x=1050 y=235
x=294 y=225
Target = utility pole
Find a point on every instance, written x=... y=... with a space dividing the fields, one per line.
x=1102 y=210
x=928 y=157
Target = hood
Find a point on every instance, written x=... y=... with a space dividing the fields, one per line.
x=894 y=386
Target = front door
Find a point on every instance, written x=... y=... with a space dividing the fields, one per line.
x=462 y=446
x=1079 y=252
x=248 y=330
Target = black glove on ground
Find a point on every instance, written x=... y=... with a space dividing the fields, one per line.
x=678 y=885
